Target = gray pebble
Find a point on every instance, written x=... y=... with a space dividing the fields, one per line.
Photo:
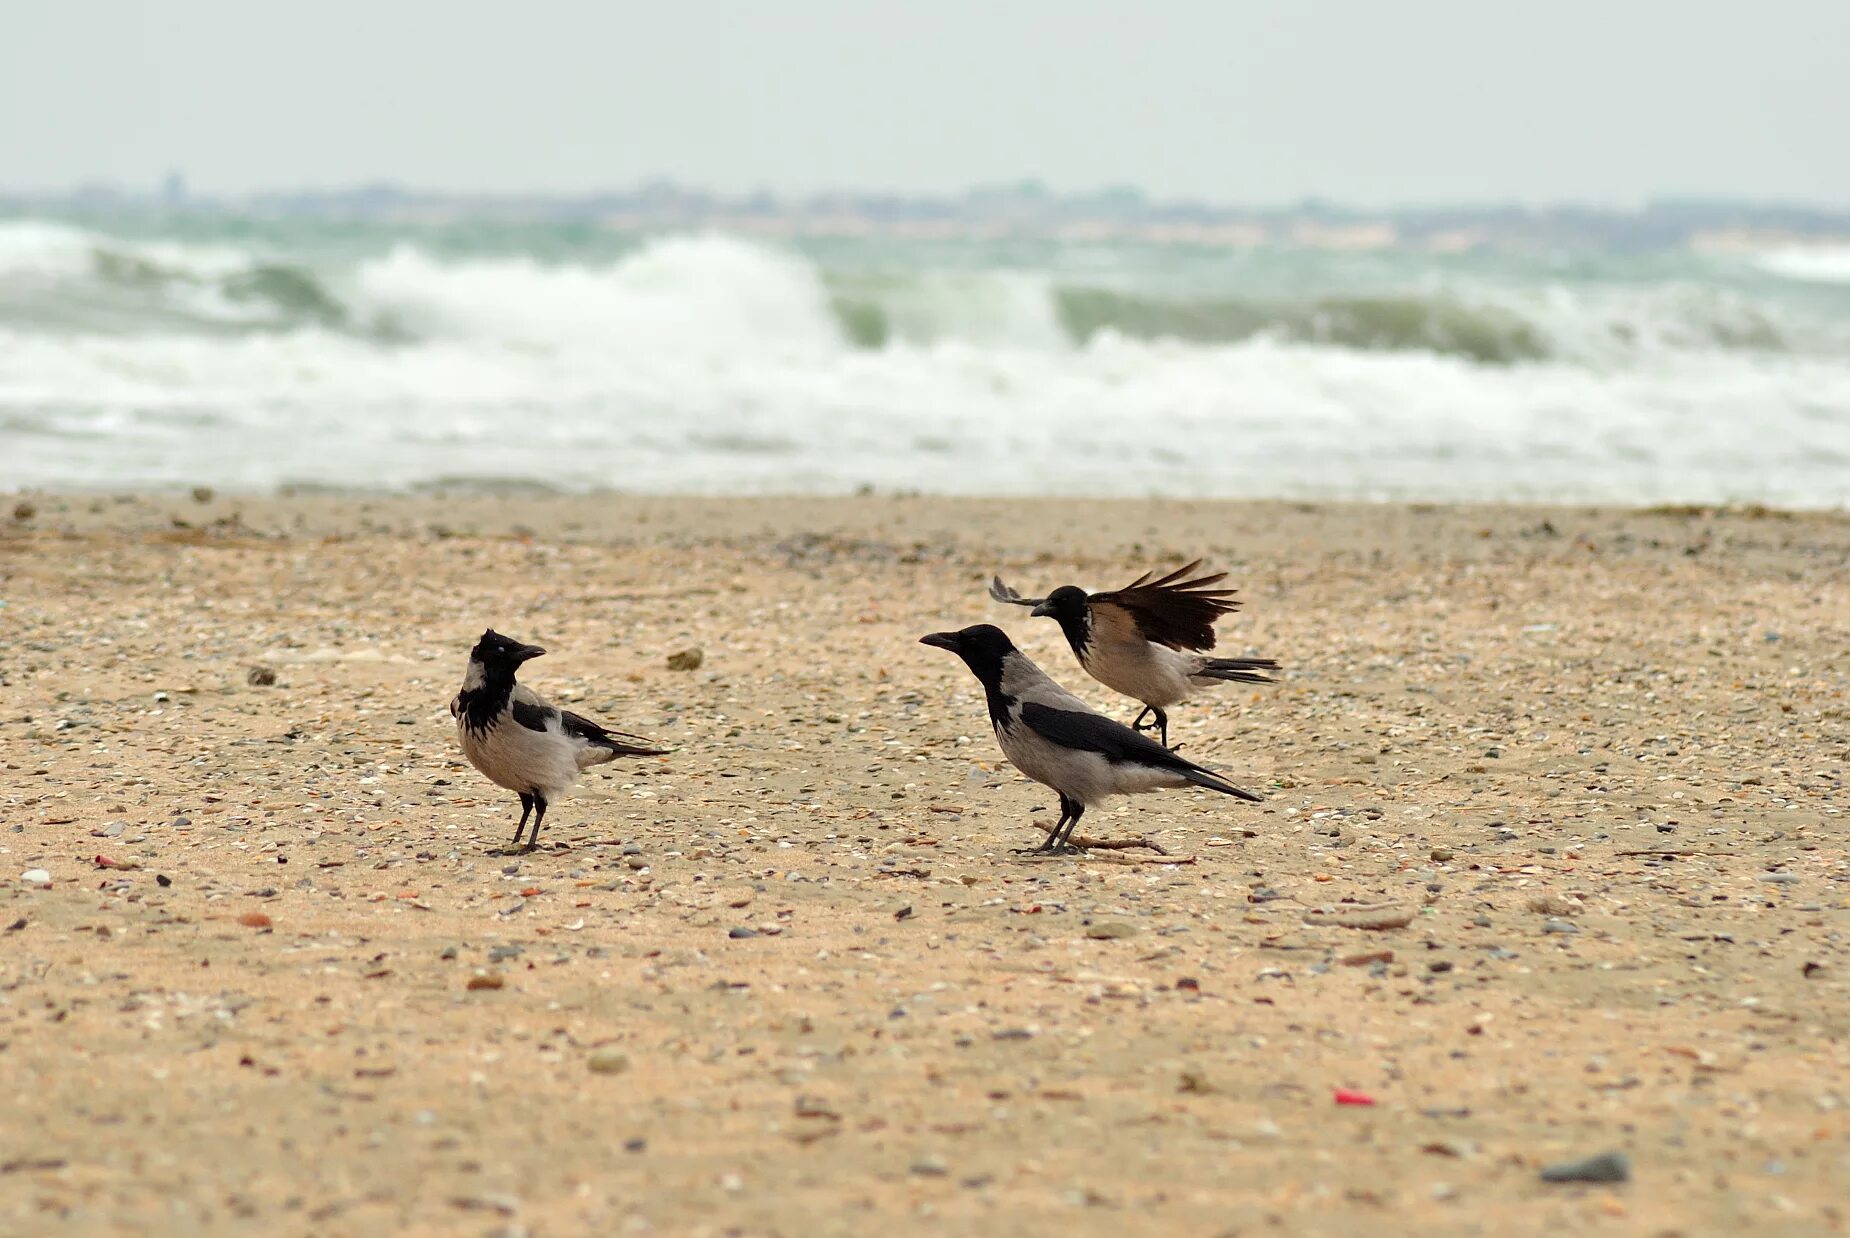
x=1606 y=1167
x=1560 y=926
x=742 y=932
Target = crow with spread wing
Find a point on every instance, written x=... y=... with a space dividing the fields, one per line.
x=1148 y=640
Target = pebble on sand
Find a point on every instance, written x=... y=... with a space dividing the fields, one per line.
x=1606 y=1167
x=260 y=676
x=686 y=659
x=608 y=1062
x=37 y=878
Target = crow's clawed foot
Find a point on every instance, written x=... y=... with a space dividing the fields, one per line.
x=1044 y=851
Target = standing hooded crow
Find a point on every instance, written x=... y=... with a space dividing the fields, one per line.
x=520 y=742
x=1051 y=736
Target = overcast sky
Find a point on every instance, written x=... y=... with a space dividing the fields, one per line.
x=1360 y=100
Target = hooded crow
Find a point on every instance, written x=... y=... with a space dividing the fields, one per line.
x=1051 y=736
x=1149 y=639
x=520 y=742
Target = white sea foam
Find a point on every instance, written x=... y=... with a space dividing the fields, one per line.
x=1822 y=264
x=714 y=364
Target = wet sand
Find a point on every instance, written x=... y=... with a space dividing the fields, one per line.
x=1593 y=759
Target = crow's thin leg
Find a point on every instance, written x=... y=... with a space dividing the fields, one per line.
x=1047 y=847
x=539 y=815
x=1137 y=722
x=526 y=806
x=1072 y=823
x=1162 y=722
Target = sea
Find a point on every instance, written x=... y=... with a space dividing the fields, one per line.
x=267 y=355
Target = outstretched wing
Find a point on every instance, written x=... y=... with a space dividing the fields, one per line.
x=1002 y=593
x=1084 y=731
x=1175 y=610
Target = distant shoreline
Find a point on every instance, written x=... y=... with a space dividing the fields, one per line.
x=1024 y=210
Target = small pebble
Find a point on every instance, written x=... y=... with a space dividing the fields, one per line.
x=686 y=660
x=1110 y=929
x=1560 y=926
x=1606 y=1167
x=489 y=980
x=260 y=676
x=742 y=932
x=930 y=1167
x=608 y=1062
x=37 y=878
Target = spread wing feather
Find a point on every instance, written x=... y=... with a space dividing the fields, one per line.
x=1173 y=610
x=1002 y=593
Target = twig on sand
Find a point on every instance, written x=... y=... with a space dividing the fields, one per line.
x=1085 y=843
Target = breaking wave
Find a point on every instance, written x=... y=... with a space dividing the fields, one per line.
x=721 y=364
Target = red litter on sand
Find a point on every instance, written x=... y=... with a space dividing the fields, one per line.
x=1345 y=1097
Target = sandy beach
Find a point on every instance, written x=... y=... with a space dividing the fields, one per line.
x=791 y=980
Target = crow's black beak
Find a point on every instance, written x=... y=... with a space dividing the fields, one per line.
x=526 y=653
x=942 y=640
x=1042 y=611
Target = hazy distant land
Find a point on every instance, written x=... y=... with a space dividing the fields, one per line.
x=1025 y=208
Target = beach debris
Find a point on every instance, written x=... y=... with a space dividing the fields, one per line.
x=1344 y=1096
x=1553 y=905
x=486 y=980
x=202 y=494
x=741 y=932
x=37 y=878
x=688 y=659
x=608 y=1062
x=1375 y=916
x=1110 y=930
x=254 y=919
x=1606 y=1167
x=1366 y=957
x=260 y=676
x=24 y=511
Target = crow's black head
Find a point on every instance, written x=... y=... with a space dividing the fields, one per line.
x=981 y=647
x=1067 y=605
x=497 y=652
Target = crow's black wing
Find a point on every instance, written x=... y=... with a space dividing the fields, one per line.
x=1002 y=593
x=580 y=727
x=1117 y=743
x=534 y=716
x=1174 y=610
